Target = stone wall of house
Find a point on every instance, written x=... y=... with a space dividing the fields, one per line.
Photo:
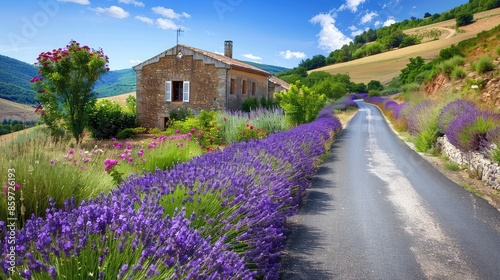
x=205 y=80
x=237 y=95
x=476 y=162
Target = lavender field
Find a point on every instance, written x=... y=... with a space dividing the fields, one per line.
x=221 y=215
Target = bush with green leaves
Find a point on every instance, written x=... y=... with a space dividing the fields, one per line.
x=203 y=128
x=484 y=64
x=108 y=119
x=250 y=104
x=300 y=103
x=464 y=18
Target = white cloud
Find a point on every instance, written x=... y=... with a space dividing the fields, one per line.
x=288 y=54
x=210 y=33
x=368 y=17
x=134 y=2
x=377 y=23
x=166 y=24
x=169 y=13
x=145 y=19
x=356 y=33
x=389 y=21
x=251 y=56
x=330 y=37
x=135 y=61
x=112 y=11
x=82 y=2
x=353 y=28
x=351 y=5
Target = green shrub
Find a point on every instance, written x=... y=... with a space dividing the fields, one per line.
x=373 y=92
x=125 y=133
x=458 y=73
x=180 y=114
x=250 y=104
x=301 y=104
x=452 y=166
x=108 y=119
x=427 y=138
x=413 y=87
x=464 y=18
x=484 y=64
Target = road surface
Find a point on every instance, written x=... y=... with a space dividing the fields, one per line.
x=377 y=210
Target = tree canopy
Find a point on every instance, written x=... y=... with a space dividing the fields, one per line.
x=65 y=85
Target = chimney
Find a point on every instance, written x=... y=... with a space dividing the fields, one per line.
x=228 y=49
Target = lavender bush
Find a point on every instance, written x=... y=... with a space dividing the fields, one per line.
x=468 y=130
x=219 y=216
x=396 y=109
x=452 y=110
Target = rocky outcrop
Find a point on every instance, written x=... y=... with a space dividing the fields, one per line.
x=477 y=163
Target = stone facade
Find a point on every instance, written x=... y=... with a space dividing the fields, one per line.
x=215 y=82
x=475 y=162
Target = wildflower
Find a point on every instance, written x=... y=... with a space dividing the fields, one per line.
x=109 y=164
x=251 y=127
x=130 y=159
x=71 y=152
x=85 y=159
x=52 y=163
x=225 y=119
x=140 y=152
x=178 y=131
x=113 y=139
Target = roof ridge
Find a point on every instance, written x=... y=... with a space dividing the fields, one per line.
x=225 y=59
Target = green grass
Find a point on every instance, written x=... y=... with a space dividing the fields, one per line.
x=46 y=168
x=452 y=166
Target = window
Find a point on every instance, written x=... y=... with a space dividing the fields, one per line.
x=253 y=89
x=244 y=87
x=233 y=86
x=177 y=91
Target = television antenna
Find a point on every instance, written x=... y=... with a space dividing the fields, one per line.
x=179 y=54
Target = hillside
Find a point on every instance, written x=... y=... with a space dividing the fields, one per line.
x=269 y=68
x=14 y=111
x=15 y=79
x=386 y=66
x=115 y=83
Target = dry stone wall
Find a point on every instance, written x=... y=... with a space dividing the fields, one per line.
x=476 y=162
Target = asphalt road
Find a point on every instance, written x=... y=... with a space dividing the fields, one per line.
x=377 y=210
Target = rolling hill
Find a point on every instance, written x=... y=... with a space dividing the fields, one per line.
x=15 y=77
x=386 y=66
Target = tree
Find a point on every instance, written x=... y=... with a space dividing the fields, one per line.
x=375 y=85
x=412 y=69
x=65 y=87
x=427 y=14
x=300 y=104
x=464 y=19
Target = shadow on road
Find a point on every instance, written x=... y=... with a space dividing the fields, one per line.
x=304 y=239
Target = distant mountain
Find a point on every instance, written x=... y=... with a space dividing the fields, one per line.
x=116 y=82
x=15 y=77
x=269 y=68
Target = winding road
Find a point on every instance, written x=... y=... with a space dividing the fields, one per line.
x=377 y=210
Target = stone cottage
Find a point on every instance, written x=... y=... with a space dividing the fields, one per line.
x=184 y=77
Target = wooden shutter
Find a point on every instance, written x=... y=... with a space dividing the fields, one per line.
x=185 y=91
x=168 y=91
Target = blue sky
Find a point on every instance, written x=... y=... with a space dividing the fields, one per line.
x=276 y=32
